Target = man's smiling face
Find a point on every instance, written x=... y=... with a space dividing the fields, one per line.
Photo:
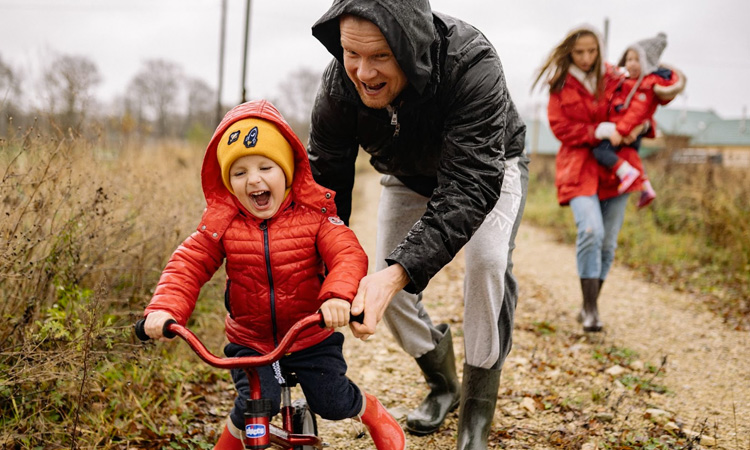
x=370 y=63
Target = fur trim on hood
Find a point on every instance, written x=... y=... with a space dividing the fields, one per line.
x=666 y=93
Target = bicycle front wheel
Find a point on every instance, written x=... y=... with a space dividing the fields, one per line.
x=303 y=421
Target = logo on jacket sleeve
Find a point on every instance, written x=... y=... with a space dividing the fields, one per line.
x=335 y=220
x=252 y=138
x=233 y=137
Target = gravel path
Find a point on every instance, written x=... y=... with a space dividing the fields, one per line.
x=665 y=374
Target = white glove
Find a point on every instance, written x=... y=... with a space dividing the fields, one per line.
x=604 y=130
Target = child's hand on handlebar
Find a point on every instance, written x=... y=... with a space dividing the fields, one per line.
x=335 y=312
x=154 y=324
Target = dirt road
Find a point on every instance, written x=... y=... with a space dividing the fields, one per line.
x=666 y=373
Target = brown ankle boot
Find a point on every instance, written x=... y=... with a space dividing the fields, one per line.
x=385 y=432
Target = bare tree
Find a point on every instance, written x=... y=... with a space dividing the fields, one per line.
x=296 y=99
x=9 y=92
x=69 y=81
x=201 y=99
x=156 y=88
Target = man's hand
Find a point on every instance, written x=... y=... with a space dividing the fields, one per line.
x=155 y=324
x=335 y=312
x=373 y=296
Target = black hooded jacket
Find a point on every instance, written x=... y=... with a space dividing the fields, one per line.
x=445 y=136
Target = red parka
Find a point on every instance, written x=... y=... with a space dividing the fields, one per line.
x=653 y=90
x=275 y=268
x=574 y=114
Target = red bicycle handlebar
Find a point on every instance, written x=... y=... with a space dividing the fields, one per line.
x=239 y=362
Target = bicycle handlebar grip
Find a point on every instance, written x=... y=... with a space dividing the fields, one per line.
x=359 y=318
x=140 y=331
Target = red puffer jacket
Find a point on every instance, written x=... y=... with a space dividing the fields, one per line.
x=574 y=114
x=274 y=267
x=656 y=88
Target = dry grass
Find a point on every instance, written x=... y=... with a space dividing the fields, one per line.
x=85 y=235
x=695 y=236
x=86 y=230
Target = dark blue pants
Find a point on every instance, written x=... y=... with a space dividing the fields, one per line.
x=321 y=372
x=606 y=153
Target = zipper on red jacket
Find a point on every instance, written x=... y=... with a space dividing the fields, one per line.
x=271 y=291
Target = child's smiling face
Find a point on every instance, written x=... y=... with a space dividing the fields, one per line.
x=633 y=64
x=259 y=184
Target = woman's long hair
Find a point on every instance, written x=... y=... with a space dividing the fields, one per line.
x=559 y=61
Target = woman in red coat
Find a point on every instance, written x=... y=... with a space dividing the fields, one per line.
x=278 y=232
x=580 y=89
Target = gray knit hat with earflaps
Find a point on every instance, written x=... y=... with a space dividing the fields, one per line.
x=649 y=53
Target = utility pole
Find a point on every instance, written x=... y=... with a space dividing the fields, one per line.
x=606 y=39
x=222 y=38
x=244 y=58
x=535 y=130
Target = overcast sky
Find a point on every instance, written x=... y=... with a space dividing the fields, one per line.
x=708 y=40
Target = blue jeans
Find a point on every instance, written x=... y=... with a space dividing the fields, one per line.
x=598 y=223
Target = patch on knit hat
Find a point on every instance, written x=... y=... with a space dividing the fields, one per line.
x=233 y=137
x=252 y=138
x=261 y=137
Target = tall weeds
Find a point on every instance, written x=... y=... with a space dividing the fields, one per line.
x=85 y=232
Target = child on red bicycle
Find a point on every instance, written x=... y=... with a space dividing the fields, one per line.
x=278 y=232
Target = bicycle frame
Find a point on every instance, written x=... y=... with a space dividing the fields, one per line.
x=259 y=433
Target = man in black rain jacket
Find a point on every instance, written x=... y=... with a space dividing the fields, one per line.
x=425 y=96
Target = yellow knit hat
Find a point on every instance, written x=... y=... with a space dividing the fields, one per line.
x=254 y=137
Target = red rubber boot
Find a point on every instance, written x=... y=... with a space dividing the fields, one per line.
x=385 y=432
x=228 y=442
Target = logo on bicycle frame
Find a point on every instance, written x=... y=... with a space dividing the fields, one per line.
x=255 y=431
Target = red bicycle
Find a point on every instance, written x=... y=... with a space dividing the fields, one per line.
x=299 y=426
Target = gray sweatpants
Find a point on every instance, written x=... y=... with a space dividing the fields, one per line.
x=490 y=290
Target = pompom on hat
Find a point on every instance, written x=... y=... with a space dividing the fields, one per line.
x=254 y=136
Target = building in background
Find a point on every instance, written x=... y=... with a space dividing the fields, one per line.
x=684 y=136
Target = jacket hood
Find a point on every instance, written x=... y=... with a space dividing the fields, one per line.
x=406 y=24
x=222 y=206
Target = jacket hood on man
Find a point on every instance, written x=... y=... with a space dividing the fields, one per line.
x=223 y=206
x=406 y=24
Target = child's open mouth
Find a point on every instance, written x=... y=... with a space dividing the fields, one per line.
x=261 y=198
